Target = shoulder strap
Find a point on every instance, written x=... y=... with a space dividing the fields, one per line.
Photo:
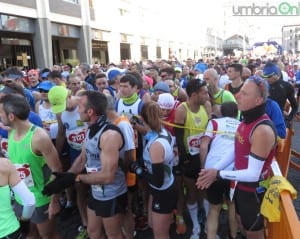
x=215 y=127
x=266 y=122
x=167 y=137
x=113 y=127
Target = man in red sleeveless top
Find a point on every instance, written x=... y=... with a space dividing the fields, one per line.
x=255 y=146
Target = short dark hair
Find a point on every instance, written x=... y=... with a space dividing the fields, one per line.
x=13 y=88
x=54 y=74
x=96 y=101
x=194 y=85
x=16 y=104
x=168 y=70
x=133 y=81
x=237 y=67
x=100 y=75
x=139 y=78
x=13 y=72
x=229 y=109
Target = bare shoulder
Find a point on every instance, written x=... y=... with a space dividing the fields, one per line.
x=40 y=139
x=40 y=134
x=263 y=131
x=111 y=138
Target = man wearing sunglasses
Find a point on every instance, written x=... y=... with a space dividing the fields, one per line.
x=13 y=74
x=255 y=147
x=280 y=90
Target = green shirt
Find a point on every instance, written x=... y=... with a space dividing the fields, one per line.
x=8 y=220
x=32 y=168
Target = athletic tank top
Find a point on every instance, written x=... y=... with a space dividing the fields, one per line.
x=49 y=120
x=243 y=145
x=8 y=220
x=167 y=141
x=32 y=168
x=75 y=128
x=93 y=164
x=195 y=124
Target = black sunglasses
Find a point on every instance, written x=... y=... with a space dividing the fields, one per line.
x=43 y=91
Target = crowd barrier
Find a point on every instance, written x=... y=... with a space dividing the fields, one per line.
x=289 y=225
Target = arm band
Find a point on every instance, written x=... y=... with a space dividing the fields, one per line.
x=251 y=174
x=27 y=197
x=226 y=161
x=157 y=177
x=179 y=133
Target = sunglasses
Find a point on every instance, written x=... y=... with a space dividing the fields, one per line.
x=163 y=76
x=43 y=91
x=261 y=83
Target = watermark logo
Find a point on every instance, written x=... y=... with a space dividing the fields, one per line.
x=254 y=10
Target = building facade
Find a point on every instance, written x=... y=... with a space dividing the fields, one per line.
x=40 y=33
x=291 y=38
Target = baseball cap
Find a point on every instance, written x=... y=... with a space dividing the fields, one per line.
x=45 y=74
x=162 y=86
x=65 y=74
x=57 y=97
x=166 y=101
x=148 y=79
x=114 y=72
x=178 y=69
x=270 y=69
x=46 y=85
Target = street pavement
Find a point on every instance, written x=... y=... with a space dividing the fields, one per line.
x=68 y=226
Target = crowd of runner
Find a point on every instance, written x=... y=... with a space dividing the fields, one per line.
x=135 y=145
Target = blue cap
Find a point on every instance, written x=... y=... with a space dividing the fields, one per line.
x=45 y=74
x=270 y=69
x=114 y=72
x=65 y=74
x=46 y=85
x=162 y=86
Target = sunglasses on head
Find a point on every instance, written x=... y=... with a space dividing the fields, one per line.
x=43 y=91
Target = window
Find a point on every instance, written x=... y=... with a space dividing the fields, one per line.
x=72 y=1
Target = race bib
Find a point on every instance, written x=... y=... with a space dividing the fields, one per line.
x=4 y=147
x=76 y=138
x=176 y=156
x=95 y=188
x=25 y=174
x=193 y=144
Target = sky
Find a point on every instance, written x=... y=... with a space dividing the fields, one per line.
x=192 y=15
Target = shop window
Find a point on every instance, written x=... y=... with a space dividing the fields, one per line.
x=158 y=52
x=72 y=1
x=144 y=52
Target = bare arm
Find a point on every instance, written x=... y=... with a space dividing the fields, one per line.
x=42 y=145
x=157 y=153
x=110 y=143
x=79 y=163
x=61 y=134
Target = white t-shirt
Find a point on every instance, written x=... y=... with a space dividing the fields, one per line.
x=221 y=153
x=128 y=135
